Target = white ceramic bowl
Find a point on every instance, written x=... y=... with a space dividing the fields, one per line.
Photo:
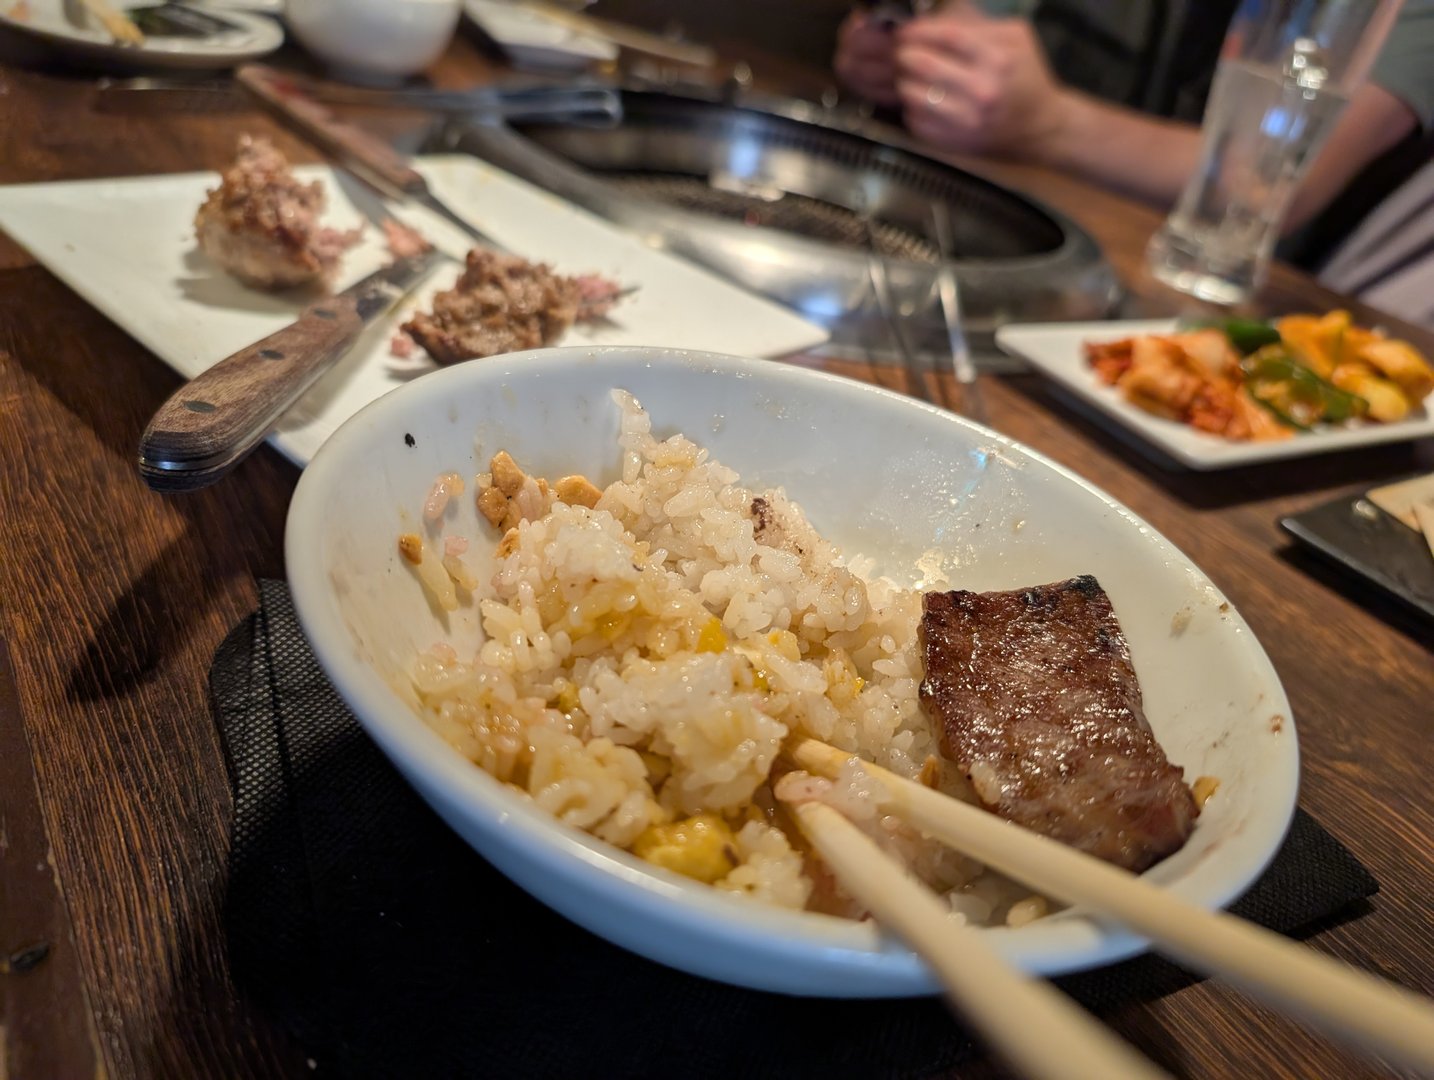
x=877 y=473
x=374 y=39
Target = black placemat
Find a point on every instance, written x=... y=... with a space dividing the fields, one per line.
x=389 y=948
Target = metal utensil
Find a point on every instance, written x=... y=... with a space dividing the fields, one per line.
x=371 y=159
x=170 y=19
x=1017 y=260
x=212 y=422
x=881 y=292
x=962 y=366
x=585 y=103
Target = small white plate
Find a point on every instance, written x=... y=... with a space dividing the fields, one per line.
x=127 y=246
x=532 y=41
x=253 y=36
x=1055 y=350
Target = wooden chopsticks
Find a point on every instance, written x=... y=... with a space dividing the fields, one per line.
x=1360 y=1008
x=1028 y=1022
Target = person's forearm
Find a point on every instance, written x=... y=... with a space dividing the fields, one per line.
x=1143 y=156
x=1374 y=122
x=1153 y=158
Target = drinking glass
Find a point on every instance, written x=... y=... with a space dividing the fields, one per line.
x=1286 y=72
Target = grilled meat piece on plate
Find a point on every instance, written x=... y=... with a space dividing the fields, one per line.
x=261 y=224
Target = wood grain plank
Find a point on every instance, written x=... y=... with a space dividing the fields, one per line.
x=111 y=636
x=46 y=1019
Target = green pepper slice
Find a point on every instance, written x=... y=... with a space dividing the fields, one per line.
x=1245 y=335
x=1248 y=335
x=1294 y=393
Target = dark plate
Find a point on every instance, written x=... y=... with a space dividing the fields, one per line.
x=1366 y=541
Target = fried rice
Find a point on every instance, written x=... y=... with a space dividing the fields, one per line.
x=646 y=656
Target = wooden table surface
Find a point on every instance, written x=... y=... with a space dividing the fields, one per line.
x=114 y=804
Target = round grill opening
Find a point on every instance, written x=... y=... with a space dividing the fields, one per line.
x=818 y=183
x=789 y=200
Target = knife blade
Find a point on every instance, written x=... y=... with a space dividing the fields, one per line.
x=371 y=159
x=212 y=422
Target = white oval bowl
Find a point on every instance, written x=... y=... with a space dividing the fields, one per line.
x=383 y=38
x=877 y=473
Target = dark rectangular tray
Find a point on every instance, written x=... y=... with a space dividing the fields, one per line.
x=1366 y=541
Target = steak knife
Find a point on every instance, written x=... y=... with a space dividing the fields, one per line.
x=369 y=158
x=212 y=422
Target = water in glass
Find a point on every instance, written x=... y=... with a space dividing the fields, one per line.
x=1262 y=125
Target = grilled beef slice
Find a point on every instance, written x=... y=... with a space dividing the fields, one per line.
x=501 y=303
x=1035 y=698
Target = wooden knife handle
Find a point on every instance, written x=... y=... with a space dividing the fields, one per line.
x=361 y=151
x=213 y=421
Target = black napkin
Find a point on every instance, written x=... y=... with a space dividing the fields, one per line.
x=387 y=947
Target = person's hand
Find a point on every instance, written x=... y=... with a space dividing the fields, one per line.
x=973 y=84
x=865 y=59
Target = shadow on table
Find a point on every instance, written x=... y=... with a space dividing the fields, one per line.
x=110 y=384
x=139 y=629
x=1228 y=487
x=211 y=285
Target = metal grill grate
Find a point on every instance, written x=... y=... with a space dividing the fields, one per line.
x=701 y=177
x=796 y=214
x=667 y=149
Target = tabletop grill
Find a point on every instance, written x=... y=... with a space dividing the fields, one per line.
x=789 y=199
x=795 y=214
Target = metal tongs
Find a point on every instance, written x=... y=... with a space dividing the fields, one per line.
x=962 y=367
x=581 y=101
x=586 y=102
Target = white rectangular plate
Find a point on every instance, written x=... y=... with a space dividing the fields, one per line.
x=127 y=246
x=1055 y=350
